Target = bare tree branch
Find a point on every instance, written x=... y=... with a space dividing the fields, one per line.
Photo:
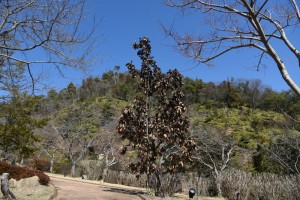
x=295 y=6
x=50 y=26
x=239 y=24
x=285 y=150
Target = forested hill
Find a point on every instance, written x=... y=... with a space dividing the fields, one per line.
x=248 y=112
x=252 y=94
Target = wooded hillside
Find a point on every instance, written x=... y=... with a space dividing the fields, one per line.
x=236 y=124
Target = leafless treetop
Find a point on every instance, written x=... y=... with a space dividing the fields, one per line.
x=236 y=24
x=45 y=31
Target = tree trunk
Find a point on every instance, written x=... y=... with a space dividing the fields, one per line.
x=104 y=173
x=22 y=161
x=51 y=165
x=158 y=191
x=73 y=166
x=219 y=184
x=7 y=193
x=148 y=181
x=5 y=155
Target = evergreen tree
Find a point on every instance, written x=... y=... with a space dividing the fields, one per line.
x=18 y=125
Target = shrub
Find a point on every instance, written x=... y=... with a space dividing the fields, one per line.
x=125 y=178
x=277 y=187
x=18 y=173
x=43 y=178
x=40 y=164
x=170 y=184
x=62 y=168
x=263 y=185
x=237 y=182
x=248 y=186
x=204 y=186
x=92 y=168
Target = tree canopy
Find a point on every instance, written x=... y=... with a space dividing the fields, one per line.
x=17 y=130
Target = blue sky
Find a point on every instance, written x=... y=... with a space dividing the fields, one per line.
x=123 y=22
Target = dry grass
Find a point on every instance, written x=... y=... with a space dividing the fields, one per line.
x=30 y=189
x=39 y=192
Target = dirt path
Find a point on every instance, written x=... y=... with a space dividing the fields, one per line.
x=78 y=189
x=75 y=190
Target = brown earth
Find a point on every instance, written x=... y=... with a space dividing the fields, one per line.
x=68 y=189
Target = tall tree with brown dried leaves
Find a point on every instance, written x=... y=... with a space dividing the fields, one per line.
x=155 y=127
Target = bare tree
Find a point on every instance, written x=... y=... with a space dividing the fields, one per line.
x=30 y=27
x=50 y=143
x=285 y=150
x=239 y=24
x=254 y=92
x=106 y=147
x=214 y=152
x=110 y=158
x=78 y=130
